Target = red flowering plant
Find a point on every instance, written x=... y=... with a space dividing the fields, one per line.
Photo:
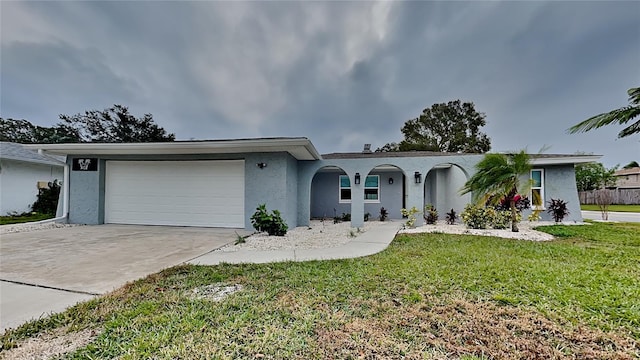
x=521 y=202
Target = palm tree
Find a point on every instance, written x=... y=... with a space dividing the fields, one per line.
x=498 y=177
x=619 y=116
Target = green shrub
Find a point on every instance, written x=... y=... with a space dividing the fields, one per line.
x=476 y=217
x=535 y=215
x=451 y=217
x=501 y=219
x=558 y=209
x=272 y=223
x=410 y=214
x=47 y=202
x=383 y=214
x=430 y=214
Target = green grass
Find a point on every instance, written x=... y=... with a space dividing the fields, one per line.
x=23 y=218
x=426 y=296
x=620 y=208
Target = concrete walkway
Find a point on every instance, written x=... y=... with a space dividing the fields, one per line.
x=368 y=243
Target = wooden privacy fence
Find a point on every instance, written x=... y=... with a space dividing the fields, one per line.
x=618 y=196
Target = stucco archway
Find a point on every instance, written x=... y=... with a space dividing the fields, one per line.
x=326 y=193
x=385 y=186
x=442 y=186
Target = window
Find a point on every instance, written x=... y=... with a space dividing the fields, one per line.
x=371 y=189
x=345 y=189
x=537 y=189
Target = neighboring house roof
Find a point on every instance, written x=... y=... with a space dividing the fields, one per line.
x=18 y=152
x=629 y=171
x=628 y=178
x=299 y=147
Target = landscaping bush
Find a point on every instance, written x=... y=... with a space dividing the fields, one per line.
x=410 y=214
x=522 y=203
x=477 y=217
x=383 y=214
x=501 y=219
x=451 y=217
x=558 y=209
x=47 y=202
x=272 y=223
x=430 y=214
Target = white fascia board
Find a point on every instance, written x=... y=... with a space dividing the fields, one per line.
x=300 y=148
x=565 y=160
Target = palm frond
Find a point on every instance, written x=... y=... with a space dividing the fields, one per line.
x=634 y=95
x=619 y=116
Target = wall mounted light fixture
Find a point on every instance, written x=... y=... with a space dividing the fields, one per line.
x=390 y=180
x=418 y=177
x=356 y=179
x=261 y=165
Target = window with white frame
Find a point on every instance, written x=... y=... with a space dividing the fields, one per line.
x=537 y=188
x=345 y=189
x=371 y=189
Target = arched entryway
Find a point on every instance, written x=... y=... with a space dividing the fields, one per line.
x=442 y=188
x=330 y=193
x=385 y=186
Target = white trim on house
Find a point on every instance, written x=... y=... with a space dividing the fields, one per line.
x=299 y=148
x=340 y=188
x=563 y=160
x=540 y=188
x=372 y=201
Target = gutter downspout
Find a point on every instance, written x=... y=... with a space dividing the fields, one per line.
x=65 y=190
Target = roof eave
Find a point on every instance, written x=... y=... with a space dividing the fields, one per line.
x=565 y=160
x=300 y=148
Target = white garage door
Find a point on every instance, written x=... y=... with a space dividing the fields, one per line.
x=183 y=193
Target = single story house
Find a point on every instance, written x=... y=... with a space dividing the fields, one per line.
x=22 y=172
x=219 y=183
x=628 y=178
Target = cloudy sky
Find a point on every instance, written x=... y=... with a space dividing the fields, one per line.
x=340 y=73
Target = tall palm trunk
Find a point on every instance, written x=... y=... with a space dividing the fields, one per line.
x=514 y=215
x=514 y=211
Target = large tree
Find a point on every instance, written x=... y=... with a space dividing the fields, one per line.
x=618 y=116
x=23 y=132
x=499 y=177
x=446 y=127
x=115 y=124
x=594 y=176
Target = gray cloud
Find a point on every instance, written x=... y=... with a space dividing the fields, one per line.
x=341 y=73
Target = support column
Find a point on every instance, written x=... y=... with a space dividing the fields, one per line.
x=415 y=196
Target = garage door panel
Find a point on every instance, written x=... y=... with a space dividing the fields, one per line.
x=187 y=193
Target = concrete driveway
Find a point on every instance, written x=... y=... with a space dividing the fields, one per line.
x=47 y=270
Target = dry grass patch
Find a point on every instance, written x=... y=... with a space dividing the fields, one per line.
x=49 y=345
x=461 y=328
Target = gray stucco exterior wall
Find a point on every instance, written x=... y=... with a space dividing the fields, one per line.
x=325 y=195
x=414 y=192
x=274 y=185
x=560 y=183
x=300 y=191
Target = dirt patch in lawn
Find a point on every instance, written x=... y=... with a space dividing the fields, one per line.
x=460 y=328
x=50 y=345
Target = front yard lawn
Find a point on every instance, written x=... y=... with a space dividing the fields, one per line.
x=619 y=208
x=427 y=296
x=23 y=218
